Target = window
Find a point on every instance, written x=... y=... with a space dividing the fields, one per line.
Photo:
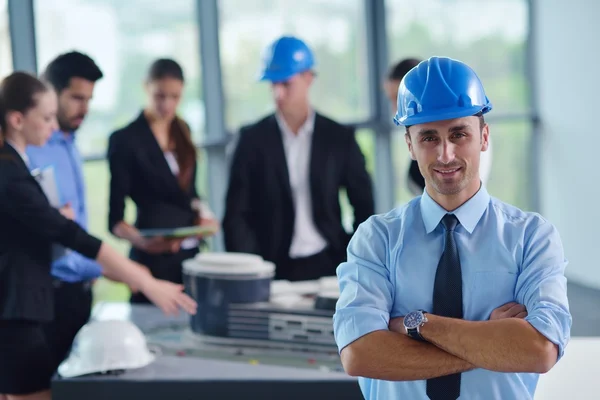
x=123 y=37
x=6 y=66
x=334 y=29
x=471 y=31
x=476 y=33
x=510 y=179
x=366 y=142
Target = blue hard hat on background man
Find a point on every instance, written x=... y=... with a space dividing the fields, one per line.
x=284 y=58
x=437 y=89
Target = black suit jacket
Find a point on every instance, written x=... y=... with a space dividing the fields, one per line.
x=259 y=216
x=28 y=228
x=140 y=171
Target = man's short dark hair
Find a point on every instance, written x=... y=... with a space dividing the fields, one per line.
x=71 y=65
x=479 y=115
x=397 y=72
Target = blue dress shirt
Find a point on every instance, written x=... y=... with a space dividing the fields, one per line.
x=506 y=255
x=61 y=153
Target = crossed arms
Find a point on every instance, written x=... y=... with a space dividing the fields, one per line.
x=505 y=343
x=525 y=337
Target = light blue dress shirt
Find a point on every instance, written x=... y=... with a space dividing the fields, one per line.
x=506 y=255
x=61 y=153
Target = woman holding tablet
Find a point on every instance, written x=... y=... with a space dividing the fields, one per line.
x=153 y=161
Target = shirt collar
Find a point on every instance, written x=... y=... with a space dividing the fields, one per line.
x=468 y=214
x=306 y=128
x=60 y=137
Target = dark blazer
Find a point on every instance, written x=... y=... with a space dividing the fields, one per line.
x=28 y=228
x=140 y=171
x=259 y=215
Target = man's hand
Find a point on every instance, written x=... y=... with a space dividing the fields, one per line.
x=485 y=344
x=397 y=325
x=509 y=310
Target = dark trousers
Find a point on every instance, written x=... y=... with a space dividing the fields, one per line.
x=312 y=267
x=162 y=266
x=72 y=307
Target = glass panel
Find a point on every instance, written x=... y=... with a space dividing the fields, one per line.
x=97 y=177
x=510 y=179
x=497 y=51
x=123 y=37
x=6 y=66
x=478 y=33
x=334 y=29
x=366 y=142
x=510 y=176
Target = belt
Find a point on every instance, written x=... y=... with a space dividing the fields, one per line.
x=82 y=285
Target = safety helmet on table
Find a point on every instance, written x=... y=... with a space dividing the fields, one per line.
x=437 y=89
x=104 y=346
x=284 y=58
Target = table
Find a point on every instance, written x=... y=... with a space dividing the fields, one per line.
x=576 y=376
x=189 y=368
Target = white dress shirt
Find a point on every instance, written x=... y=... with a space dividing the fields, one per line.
x=306 y=239
x=190 y=242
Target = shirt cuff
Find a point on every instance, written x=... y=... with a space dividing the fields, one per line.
x=351 y=324
x=76 y=268
x=553 y=330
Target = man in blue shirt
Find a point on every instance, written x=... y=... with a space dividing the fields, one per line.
x=455 y=294
x=73 y=76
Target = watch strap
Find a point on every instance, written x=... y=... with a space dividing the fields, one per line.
x=414 y=333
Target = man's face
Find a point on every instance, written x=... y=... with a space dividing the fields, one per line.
x=448 y=153
x=293 y=93
x=73 y=102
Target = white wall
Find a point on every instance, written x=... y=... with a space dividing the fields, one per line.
x=567 y=76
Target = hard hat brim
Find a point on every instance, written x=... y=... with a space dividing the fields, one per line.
x=74 y=367
x=436 y=115
x=276 y=77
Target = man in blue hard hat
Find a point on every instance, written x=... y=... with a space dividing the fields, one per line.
x=286 y=174
x=455 y=294
x=415 y=181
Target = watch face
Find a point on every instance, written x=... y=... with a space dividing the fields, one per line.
x=413 y=319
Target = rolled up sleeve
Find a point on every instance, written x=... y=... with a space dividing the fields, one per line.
x=366 y=291
x=542 y=286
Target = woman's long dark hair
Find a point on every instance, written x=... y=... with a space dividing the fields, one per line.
x=179 y=131
x=17 y=93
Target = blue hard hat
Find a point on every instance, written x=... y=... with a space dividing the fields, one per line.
x=437 y=89
x=284 y=58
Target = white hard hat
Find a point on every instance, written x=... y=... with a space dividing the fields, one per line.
x=104 y=346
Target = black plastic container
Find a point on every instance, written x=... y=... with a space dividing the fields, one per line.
x=216 y=281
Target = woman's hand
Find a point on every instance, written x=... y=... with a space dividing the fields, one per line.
x=157 y=245
x=67 y=211
x=210 y=223
x=168 y=296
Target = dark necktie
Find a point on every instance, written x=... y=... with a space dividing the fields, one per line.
x=447 y=302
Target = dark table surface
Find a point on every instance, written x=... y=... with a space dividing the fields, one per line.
x=193 y=367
